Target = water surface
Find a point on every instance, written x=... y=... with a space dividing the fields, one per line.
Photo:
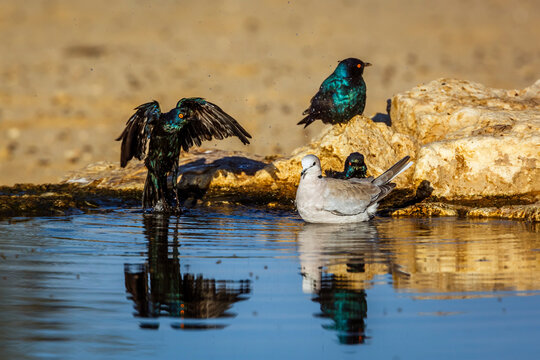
x=243 y=283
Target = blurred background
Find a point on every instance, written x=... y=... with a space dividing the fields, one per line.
x=71 y=72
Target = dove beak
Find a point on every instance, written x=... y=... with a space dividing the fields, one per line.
x=303 y=173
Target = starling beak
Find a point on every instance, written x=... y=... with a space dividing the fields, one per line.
x=158 y=138
x=341 y=96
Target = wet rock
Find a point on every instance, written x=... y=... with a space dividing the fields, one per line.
x=59 y=199
x=428 y=210
x=530 y=212
x=472 y=140
x=516 y=212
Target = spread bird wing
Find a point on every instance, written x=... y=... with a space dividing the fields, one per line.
x=204 y=121
x=137 y=131
x=344 y=197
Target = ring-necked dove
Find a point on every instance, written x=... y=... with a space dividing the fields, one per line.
x=326 y=200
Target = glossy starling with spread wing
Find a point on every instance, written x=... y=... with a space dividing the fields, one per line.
x=355 y=167
x=158 y=138
x=341 y=96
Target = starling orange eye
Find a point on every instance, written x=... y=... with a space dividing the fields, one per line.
x=359 y=66
x=180 y=115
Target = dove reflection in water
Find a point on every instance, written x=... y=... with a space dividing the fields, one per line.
x=337 y=262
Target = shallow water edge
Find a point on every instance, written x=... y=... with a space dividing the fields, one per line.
x=70 y=198
x=240 y=282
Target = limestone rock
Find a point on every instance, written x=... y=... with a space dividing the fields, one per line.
x=481 y=166
x=217 y=171
x=450 y=109
x=472 y=140
x=380 y=145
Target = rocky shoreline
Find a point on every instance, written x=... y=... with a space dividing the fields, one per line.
x=475 y=151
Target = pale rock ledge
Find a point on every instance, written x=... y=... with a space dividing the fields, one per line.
x=472 y=141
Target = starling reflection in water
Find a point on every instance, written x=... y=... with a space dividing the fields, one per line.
x=355 y=167
x=341 y=96
x=189 y=123
x=159 y=288
x=346 y=307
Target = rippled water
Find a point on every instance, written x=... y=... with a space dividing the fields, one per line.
x=247 y=284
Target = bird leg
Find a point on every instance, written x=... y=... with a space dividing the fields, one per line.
x=175 y=186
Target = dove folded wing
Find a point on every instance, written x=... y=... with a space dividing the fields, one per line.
x=348 y=198
x=361 y=180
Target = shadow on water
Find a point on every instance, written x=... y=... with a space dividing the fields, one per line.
x=158 y=287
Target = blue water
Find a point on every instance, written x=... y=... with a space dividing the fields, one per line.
x=241 y=283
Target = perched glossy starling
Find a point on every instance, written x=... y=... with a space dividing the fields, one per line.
x=190 y=122
x=355 y=167
x=341 y=96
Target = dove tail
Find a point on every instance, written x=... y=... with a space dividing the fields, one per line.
x=394 y=171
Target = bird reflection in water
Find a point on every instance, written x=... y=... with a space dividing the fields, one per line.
x=336 y=262
x=346 y=307
x=158 y=288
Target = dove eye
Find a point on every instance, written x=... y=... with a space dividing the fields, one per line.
x=314 y=163
x=180 y=115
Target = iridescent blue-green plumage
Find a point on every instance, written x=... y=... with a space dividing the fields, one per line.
x=341 y=96
x=158 y=138
x=355 y=167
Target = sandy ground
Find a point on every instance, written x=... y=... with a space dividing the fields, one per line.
x=72 y=71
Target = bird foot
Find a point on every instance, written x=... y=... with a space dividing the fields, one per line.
x=177 y=210
x=159 y=208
